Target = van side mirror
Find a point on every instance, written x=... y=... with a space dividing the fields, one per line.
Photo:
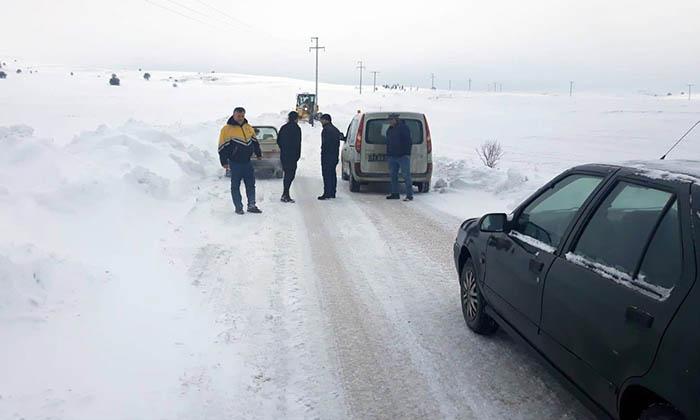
x=494 y=222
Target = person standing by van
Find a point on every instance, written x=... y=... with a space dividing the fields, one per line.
x=289 y=141
x=237 y=143
x=398 y=151
x=330 y=145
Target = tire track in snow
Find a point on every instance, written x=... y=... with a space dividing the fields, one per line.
x=379 y=377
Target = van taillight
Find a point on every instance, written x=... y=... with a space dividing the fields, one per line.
x=358 y=138
x=428 y=139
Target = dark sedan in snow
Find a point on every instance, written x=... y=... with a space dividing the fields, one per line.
x=596 y=273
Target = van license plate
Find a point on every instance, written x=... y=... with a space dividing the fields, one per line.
x=376 y=157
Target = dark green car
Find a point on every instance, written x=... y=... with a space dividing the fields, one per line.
x=596 y=273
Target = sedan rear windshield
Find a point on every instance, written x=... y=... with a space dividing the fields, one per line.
x=265 y=133
x=376 y=131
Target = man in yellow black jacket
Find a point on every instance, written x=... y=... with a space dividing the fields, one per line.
x=237 y=143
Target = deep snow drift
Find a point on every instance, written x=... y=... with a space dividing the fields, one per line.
x=130 y=290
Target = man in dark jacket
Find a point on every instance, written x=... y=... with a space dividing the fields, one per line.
x=398 y=151
x=237 y=143
x=289 y=141
x=330 y=144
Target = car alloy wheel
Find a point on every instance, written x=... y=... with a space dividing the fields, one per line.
x=470 y=296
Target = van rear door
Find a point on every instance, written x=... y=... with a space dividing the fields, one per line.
x=373 y=154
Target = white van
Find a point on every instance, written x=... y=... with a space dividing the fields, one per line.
x=363 y=158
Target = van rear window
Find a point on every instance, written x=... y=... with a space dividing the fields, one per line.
x=376 y=131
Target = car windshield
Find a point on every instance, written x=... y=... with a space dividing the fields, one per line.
x=305 y=99
x=265 y=133
x=376 y=131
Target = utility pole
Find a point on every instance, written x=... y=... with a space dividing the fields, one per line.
x=449 y=84
x=495 y=87
x=500 y=87
x=432 y=81
x=316 y=48
x=470 y=85
x=374 y=73
x=361 y=67
x=690 y=90
x=571 y=88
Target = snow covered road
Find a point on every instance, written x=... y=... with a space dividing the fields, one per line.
x=130 y=289
x=351 y=310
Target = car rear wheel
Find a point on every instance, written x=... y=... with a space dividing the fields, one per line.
x=354 y=185
x=343 y=175
x=423 y=187
x=473 y=304
x=661 y=412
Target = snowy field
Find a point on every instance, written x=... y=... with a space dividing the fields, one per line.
x=130 y=290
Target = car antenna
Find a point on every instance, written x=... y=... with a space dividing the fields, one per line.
x=679 y=140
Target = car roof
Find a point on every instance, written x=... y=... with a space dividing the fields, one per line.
x=678 y=170
x=386 y=114
x=265 y=126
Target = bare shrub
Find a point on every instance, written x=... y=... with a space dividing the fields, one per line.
x=490 y=153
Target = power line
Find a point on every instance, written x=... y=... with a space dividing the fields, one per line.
x=177 y=12
x=177 y=3
x=224 y=13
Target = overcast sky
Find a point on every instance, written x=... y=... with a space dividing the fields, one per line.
x=523 y=44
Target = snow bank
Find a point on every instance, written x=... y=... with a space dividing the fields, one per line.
x=36 y=284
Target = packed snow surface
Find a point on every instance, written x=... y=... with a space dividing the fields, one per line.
x=130 y=289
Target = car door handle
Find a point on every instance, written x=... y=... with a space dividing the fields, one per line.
x=536 y=266
x=639 y=316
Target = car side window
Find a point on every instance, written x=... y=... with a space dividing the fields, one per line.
x=621 y=226
x=352 y=128
x=548 y=217
x=663 y=262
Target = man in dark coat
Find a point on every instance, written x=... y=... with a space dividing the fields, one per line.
x=330 y=145
x=398 y=151
x=289 y=141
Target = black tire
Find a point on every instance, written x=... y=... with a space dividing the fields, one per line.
x=661 y=412
x=423 y=187
x=343 y=175
x=279 y=174
x=473 y=302
x=354 y=185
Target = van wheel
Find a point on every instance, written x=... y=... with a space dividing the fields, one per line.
x=660 y=412
x=423 y=187
x=279 y=174
x=473 y=302
x=354 y=185
x=343 y=175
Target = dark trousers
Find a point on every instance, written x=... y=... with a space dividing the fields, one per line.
x=242 y=172
x=330 y=179
x=290 y=171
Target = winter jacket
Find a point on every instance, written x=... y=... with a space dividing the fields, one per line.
x=330 y=144
x=237 y=143
x=289 y=141
x=398 y=140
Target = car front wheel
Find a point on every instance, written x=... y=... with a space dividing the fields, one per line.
x=473 y=303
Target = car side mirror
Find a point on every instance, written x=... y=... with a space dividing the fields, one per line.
x=494 y=222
